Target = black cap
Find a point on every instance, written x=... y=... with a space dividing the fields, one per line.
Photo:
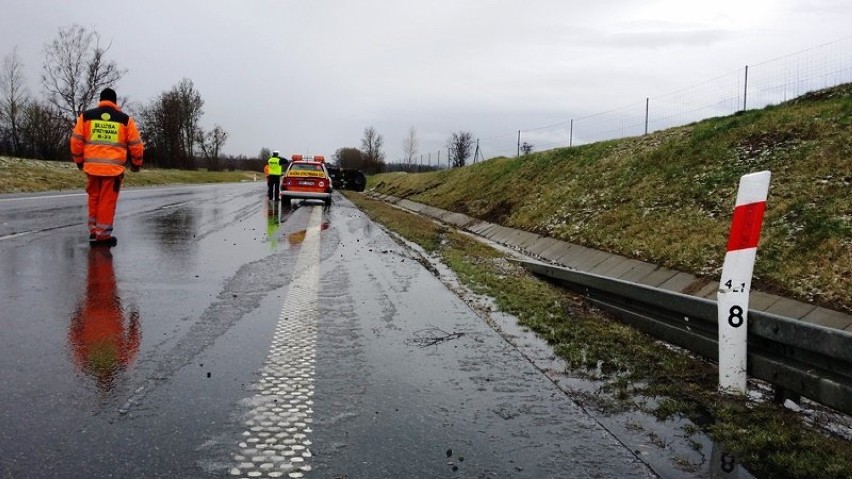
x=109 y=95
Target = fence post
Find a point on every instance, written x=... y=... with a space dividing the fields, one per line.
x=519 y=145
x=476 y=152
x=735 y=283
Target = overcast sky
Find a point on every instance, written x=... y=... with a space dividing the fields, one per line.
x=308 y=76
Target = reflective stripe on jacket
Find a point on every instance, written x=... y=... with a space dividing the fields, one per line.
x=274 y=166
x=101 y=139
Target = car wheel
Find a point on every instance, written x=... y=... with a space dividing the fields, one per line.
x=359 y=181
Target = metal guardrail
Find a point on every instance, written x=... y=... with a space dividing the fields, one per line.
x=798 y=358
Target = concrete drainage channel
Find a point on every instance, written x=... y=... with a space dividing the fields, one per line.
x=802 y=349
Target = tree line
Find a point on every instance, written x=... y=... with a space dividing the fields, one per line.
x=75 y=70
x=370 y=158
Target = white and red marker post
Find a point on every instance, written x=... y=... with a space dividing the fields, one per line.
x=735 y=284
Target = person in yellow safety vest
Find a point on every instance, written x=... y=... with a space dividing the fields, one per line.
x=273 y=179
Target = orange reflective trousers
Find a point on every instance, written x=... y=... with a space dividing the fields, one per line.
x=103 y=197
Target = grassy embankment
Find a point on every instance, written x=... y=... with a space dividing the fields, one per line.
x=667 y=197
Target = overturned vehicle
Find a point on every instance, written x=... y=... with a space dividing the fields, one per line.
x=347 y=178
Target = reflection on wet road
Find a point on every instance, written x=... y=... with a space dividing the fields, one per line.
x=273 y=222
x=278 y=342
x=103 y=337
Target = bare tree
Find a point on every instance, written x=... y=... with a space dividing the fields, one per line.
x=160 y=124
x=13 y=99
x=349 y=158
x=409 y=146
x=211 y=144
x=45 y=132
x=190 y=104
x=371 y=148
x=75 y=70
x=264 y=154
x=460 y=143
x=169 y=126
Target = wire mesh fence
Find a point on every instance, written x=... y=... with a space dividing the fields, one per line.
x=751 y=87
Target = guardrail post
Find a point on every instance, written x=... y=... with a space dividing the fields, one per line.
x=735 y=283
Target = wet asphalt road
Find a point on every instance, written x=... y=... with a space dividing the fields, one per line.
x=223 y=337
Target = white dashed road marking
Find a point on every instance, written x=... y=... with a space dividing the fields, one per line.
x=276 y=440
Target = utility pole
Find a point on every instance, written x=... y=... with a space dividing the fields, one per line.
x=647 y=103
x=571 y=134
x=519 y=144
x=745 y=89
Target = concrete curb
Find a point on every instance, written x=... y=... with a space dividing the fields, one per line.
x=615 y=266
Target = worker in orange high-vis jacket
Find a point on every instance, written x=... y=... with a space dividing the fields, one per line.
x=102 y=138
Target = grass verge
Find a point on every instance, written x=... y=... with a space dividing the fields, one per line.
x=28 y=176
x=635 y=370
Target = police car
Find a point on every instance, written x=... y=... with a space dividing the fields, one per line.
x=306 y=179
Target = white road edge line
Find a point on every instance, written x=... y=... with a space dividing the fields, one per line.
x=275 y=442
